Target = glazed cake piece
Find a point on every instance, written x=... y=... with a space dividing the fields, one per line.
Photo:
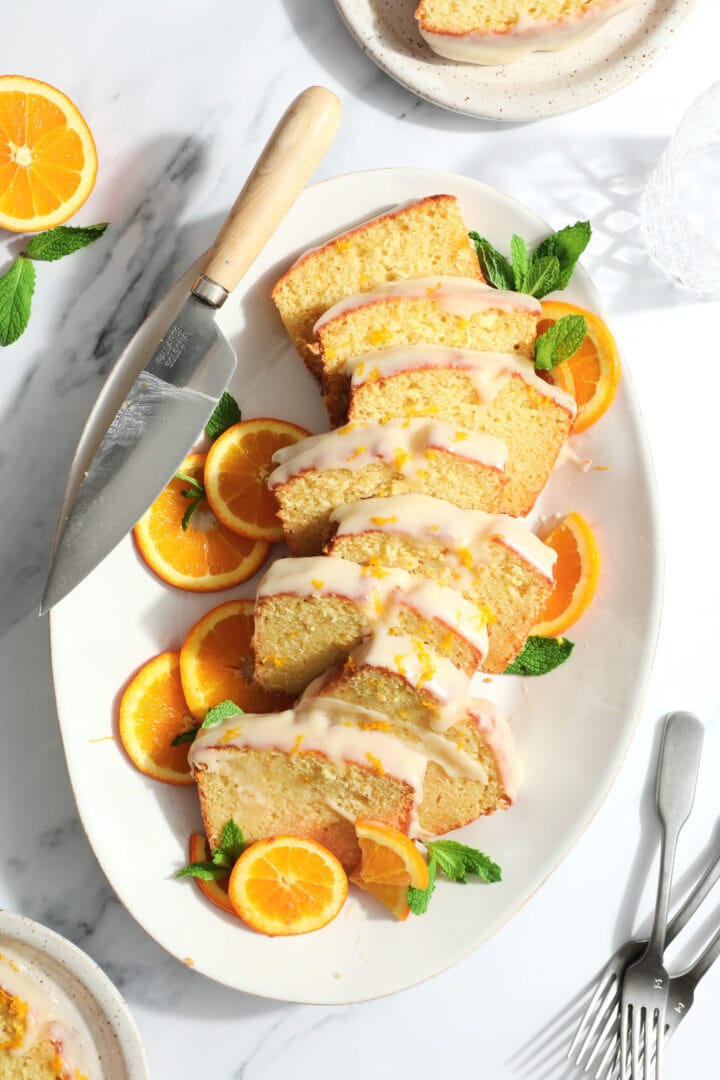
x=457 y=312
x=493 y=559
x=426 y=236
x=311 y=612
x=500 y=31
x=497 y=393
x=320 y=473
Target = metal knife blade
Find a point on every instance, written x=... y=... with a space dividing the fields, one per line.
x=168 y=404
x=127 y=455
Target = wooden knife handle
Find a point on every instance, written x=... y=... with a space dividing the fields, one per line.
x=289 y=159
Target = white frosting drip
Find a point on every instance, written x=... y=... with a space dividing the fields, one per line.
x=436 y=521
x=403 y=444
x=497 y=734
x=51 y=1014
x=526 y=36
x=424 y=669
x=463 y=297
x=380 y=592
x=487 y=371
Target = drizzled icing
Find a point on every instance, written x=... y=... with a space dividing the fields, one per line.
x=430 y=520
x=49 y=1014
x=462 y=297
x=525 y=36
x=487 y=371
x=406 y=445
x=380 y=592
x=496 y=732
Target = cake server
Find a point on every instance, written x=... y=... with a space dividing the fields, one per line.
x=148 y=414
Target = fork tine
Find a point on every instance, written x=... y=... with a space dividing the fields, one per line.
x=610 y=1057
x=624 y=1023
x=590 y=1011
x=657 y=1028
x=611 y=1023
x=603 y=1004
x=636 y=1022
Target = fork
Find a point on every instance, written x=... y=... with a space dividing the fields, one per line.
x=601 y=1017
x=645 y=983
x=681 y=994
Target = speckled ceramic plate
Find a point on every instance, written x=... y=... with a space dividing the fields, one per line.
x=541 y=84
x=572 y=726
x=61 y=966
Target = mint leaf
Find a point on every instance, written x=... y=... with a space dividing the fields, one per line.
x=495 y=267
x=567 y=246
x=457 y=860
x=195 y=484
x=220 y=712
x=16 y=292
x=543 y=276
x=227 y=412
x=540 y=655
x=195 y=493
x=232 y=842
x=418 y=899
x=206 y=871
x=186 y=736
x=560 y=341
x=520 y=263
x=64 y=240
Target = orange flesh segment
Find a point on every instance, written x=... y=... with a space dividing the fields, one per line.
x=389 y=865
x=577 y=572
x=152 y=712
x=215 y=891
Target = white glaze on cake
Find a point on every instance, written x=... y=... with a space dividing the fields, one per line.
x=51 y=1014
x=405 y=445
x=430 y=520
x=462 y=297
x=527 y=35
x=497 y=734
x=378 y=591
x=488 y=371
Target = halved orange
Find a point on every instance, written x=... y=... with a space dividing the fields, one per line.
x=592 y=375
x=48 y=161
x=216 y=663
x=204 y=557
x=236 y=473
x=390 y=864
x=215 y=891
x=577 y=572
x=153 y=712
x=287 y=885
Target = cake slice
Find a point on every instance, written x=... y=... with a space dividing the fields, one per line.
x=500 y=31
x=494 y=560
x=311 y=612
x=498 y=393
x=456 y=312
x=426 y=236
x=320 y=473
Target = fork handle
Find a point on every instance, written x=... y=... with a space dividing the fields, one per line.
x=704 y=961
x=677 y=777
x=703 y=888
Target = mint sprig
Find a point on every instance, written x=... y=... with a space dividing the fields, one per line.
x=223 y=858
x=17 y=285
x=64 y=240
x=540 y=655
x=559 y=342
x=195 y=493
x=456 y=861
x=226 y=415
x=549 y=267
x=186 y=736
x=220 y=712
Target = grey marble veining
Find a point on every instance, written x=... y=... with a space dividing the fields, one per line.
x=180 y=98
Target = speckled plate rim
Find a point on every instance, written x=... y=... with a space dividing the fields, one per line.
x=38 y=940
x=646 y=29
x=385 y=962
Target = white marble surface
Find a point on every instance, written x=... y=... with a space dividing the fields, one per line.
x=180 y=97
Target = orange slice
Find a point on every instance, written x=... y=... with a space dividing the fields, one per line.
x=204 y=557
x=216 y=663
x=48 y=161
x=152 y=713
x=236 y=473
x=287 y=885
x=593 y=373
x=577 y=572
x=389 y=865
x=215 y=891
